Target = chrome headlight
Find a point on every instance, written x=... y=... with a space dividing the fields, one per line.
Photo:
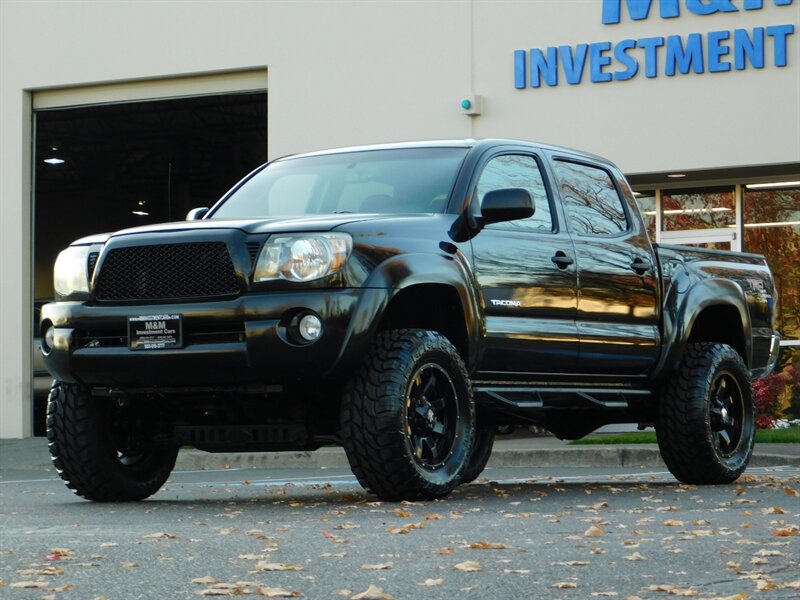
x=71 y=273
x=302 y=257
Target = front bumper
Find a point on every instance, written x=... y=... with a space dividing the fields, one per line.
x=243 y=340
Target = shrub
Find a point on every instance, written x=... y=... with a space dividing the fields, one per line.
x=767 y=395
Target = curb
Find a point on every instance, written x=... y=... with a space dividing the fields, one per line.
x=330 y=458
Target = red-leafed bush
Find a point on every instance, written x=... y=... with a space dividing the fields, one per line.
x=767 y=395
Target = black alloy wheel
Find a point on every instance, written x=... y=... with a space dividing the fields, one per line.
x=431 y=415
x=106 y=450
x=727 y=413
x=706 y=423
x=408 y=417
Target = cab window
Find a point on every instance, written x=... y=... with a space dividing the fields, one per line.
x=518 y=171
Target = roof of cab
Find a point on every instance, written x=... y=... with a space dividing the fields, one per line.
x=465 y=143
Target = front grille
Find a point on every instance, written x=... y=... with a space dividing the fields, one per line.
x=167 y=271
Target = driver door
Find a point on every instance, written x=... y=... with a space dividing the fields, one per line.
x=527 y=277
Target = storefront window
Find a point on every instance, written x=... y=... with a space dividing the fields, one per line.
x=772 y=228
x=699 y=208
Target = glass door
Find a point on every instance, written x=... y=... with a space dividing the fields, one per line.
x=703 y=217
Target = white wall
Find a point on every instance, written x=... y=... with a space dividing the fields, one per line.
x=352 y=72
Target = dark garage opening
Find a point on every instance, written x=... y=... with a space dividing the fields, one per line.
x=107 y=167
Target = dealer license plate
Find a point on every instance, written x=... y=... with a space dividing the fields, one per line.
x=155 y=332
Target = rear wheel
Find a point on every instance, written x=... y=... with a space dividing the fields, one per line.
x=106 y=450
x=706 y=426
x=481 y=452
x=408 y=418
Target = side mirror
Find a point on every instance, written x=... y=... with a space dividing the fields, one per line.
x=507 y=204
x=196 y=213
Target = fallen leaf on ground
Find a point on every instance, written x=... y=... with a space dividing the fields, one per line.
x=571 y=563
x=635 y=556
x=487 y=546
x=372 y=593
x=402 y=512
x=674 y=590
x=29 y=584
x=378 y=567
x=406 y=528
x=786 y=531
x=594 y=531
x=129 y=565
x=433 y=517
x=47 y=570
x=271 y=592
x=773 y=510
x=160 y=535
x=789 y=491
x=673 y=523
x=565 y=585
x=468 y=566
x=60 y=554
x=206 y=580
x=766 y=585
x=432 y=582
x=792 y=585
x=517 y=571
x=268 y=566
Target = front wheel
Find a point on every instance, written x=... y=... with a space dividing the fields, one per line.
x=106 y=450
x=408 y=418
x=706 y=425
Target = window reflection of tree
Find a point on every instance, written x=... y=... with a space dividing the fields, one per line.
x=591 y=200
x=518 y=171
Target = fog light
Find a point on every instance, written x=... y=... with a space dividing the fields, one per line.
x=49 y=339
x=310 y=328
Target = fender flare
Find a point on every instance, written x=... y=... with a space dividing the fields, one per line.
x=685 y=302
x=401 y=272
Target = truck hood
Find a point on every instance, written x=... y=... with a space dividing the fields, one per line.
x=249 y=226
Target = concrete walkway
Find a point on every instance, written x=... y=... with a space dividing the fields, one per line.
x=32 y=454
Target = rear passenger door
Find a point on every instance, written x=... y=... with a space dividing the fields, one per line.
x=617 y=316
x=526 y=273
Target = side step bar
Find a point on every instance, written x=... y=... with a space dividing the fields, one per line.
x=542 y=398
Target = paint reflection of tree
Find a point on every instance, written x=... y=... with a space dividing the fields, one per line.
x=763 y=210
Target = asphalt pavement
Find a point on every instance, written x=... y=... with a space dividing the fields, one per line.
x=516 y=450
x=562 y=532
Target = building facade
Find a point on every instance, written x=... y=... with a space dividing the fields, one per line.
x=698 y=101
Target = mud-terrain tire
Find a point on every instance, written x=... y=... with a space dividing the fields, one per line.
x=706 y=424
x=408 y=417
x=481 y=452
x=102 y=451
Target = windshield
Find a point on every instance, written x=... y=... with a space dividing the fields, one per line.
x=409 y=180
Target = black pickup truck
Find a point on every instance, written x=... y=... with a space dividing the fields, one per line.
x=403 y=301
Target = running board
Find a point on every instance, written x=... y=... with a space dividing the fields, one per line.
x=558 y=398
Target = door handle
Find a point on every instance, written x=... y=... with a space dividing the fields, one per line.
x=641 y=266
x=561 y=260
